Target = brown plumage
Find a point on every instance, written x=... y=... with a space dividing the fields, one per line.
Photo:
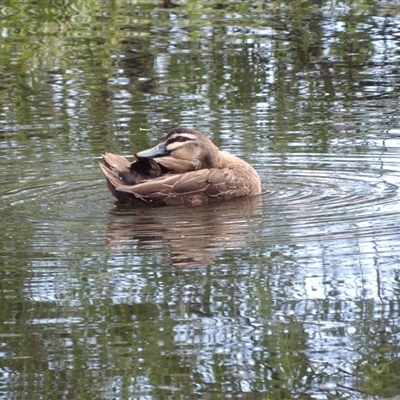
x=186 y=168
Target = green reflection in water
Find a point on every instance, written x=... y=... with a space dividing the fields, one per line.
x=111 y=304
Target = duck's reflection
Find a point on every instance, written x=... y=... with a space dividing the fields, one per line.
x=193 y=235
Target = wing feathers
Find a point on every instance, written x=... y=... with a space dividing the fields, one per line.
x=195 y=187
x=167 y=180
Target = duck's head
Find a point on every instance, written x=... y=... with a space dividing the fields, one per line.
x=184 y=144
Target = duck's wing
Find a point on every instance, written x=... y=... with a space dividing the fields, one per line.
x=196 y=187
x=119 y=171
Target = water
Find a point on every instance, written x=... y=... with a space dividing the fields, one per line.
x=291 y=295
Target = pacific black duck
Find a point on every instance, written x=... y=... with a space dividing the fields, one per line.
x=185 y=168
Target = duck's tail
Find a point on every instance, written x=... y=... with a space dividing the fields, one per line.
x=115 y=168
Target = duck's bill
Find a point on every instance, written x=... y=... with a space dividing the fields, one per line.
x=157 y=151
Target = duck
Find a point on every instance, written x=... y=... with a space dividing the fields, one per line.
x=186 y=167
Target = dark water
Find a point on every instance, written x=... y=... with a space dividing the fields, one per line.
x=291 y=295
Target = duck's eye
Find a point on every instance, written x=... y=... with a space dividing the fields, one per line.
x=181 y=137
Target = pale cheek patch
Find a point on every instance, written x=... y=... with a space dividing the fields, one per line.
x=188 y=136
x=173 y=146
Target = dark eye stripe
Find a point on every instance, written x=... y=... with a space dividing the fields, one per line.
x=181 y=138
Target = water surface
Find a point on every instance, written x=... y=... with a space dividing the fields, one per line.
x=291 y=295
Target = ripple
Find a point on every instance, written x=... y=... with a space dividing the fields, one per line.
x=322 y=195
x=306 y=196
x=57 y=198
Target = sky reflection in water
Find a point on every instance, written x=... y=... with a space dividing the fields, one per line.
x=295 y=293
